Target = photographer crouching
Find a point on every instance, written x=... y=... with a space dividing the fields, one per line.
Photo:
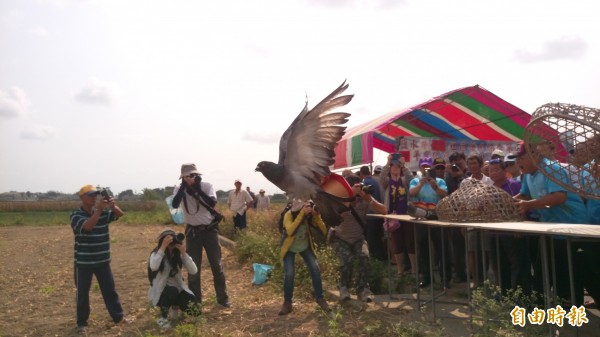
x=201 y=219
x=167 y=289
x=92 y=253
x=349 y=242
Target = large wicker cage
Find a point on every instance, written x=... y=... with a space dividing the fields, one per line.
x=570 y=135
x=477 y=202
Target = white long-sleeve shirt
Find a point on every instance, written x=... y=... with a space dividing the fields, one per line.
x=162 y=278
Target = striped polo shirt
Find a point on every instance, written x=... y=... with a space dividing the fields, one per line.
x=92 y=249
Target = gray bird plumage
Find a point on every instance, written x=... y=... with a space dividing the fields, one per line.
x=306 y=149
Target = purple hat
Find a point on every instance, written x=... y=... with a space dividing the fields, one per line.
x=425 y=161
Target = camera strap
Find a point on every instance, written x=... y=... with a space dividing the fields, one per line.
x=357 y=217
x=201 y=195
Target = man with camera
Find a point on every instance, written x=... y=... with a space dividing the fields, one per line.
x=201 y=219
x=374 y=229
x=349 y=242
x=92 y=252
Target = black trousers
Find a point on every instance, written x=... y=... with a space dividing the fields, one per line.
x=208 y=240
x=172 y=296
x=83 y=281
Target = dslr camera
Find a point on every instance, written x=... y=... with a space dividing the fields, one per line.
x=178 y=238
x=105 y=193
x=197 y=179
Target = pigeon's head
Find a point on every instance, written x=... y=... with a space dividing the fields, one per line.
x=263 y=166
x=273 y=172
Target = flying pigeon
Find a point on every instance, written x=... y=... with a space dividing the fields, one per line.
x=306 y=151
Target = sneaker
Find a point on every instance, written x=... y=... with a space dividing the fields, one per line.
x=174 y=313
x=82 y=329
x=286 y=308
x=124 y=320
x=225 y=304
x=163 y=323
x=344 y=294
x=323 y=304
x=365 y=295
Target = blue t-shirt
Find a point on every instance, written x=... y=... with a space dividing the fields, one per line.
x=377 y=189
x=538 y=185
x=591 y=186
x=427 y=194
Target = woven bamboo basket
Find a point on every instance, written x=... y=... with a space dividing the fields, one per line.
x=569 y=134
x=477 y=202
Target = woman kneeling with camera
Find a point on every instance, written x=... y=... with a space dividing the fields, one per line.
x=167 y=288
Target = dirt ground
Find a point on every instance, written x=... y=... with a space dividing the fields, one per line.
x=37 y=294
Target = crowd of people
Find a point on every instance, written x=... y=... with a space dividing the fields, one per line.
x=536 y=197
x=389 y=189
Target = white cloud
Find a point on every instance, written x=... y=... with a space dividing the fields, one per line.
x=13 y=103
x=39 y=31
x=565 y=48
x=97 y=92
x=12 y=19
x=264 y=138
x=359 y=4
x=39 y=132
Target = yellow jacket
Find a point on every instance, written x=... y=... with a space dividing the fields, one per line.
x=290 y=224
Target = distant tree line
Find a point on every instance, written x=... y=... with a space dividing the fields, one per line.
x=147 y=194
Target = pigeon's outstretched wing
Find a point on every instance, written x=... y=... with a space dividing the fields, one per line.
x=306 y=149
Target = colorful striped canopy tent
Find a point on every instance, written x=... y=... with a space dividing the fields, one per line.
x=470 y=114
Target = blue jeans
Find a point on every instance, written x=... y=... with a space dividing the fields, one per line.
x=289 y=269
x=83 y=281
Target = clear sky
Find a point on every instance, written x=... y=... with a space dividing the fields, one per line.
x=121 y=93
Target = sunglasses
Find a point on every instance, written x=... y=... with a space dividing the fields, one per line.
x=496 y=161
x=193 y=175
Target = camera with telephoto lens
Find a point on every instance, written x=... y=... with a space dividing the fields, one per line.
x=369 y=189
x=197 y=179
x=311 y=204
x=455 y=168
x=178 y=238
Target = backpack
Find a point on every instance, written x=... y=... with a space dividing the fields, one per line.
x=151 y=274
x=281 y=216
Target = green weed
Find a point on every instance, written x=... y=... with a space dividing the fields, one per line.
x=492 y=312
x=47 y=289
